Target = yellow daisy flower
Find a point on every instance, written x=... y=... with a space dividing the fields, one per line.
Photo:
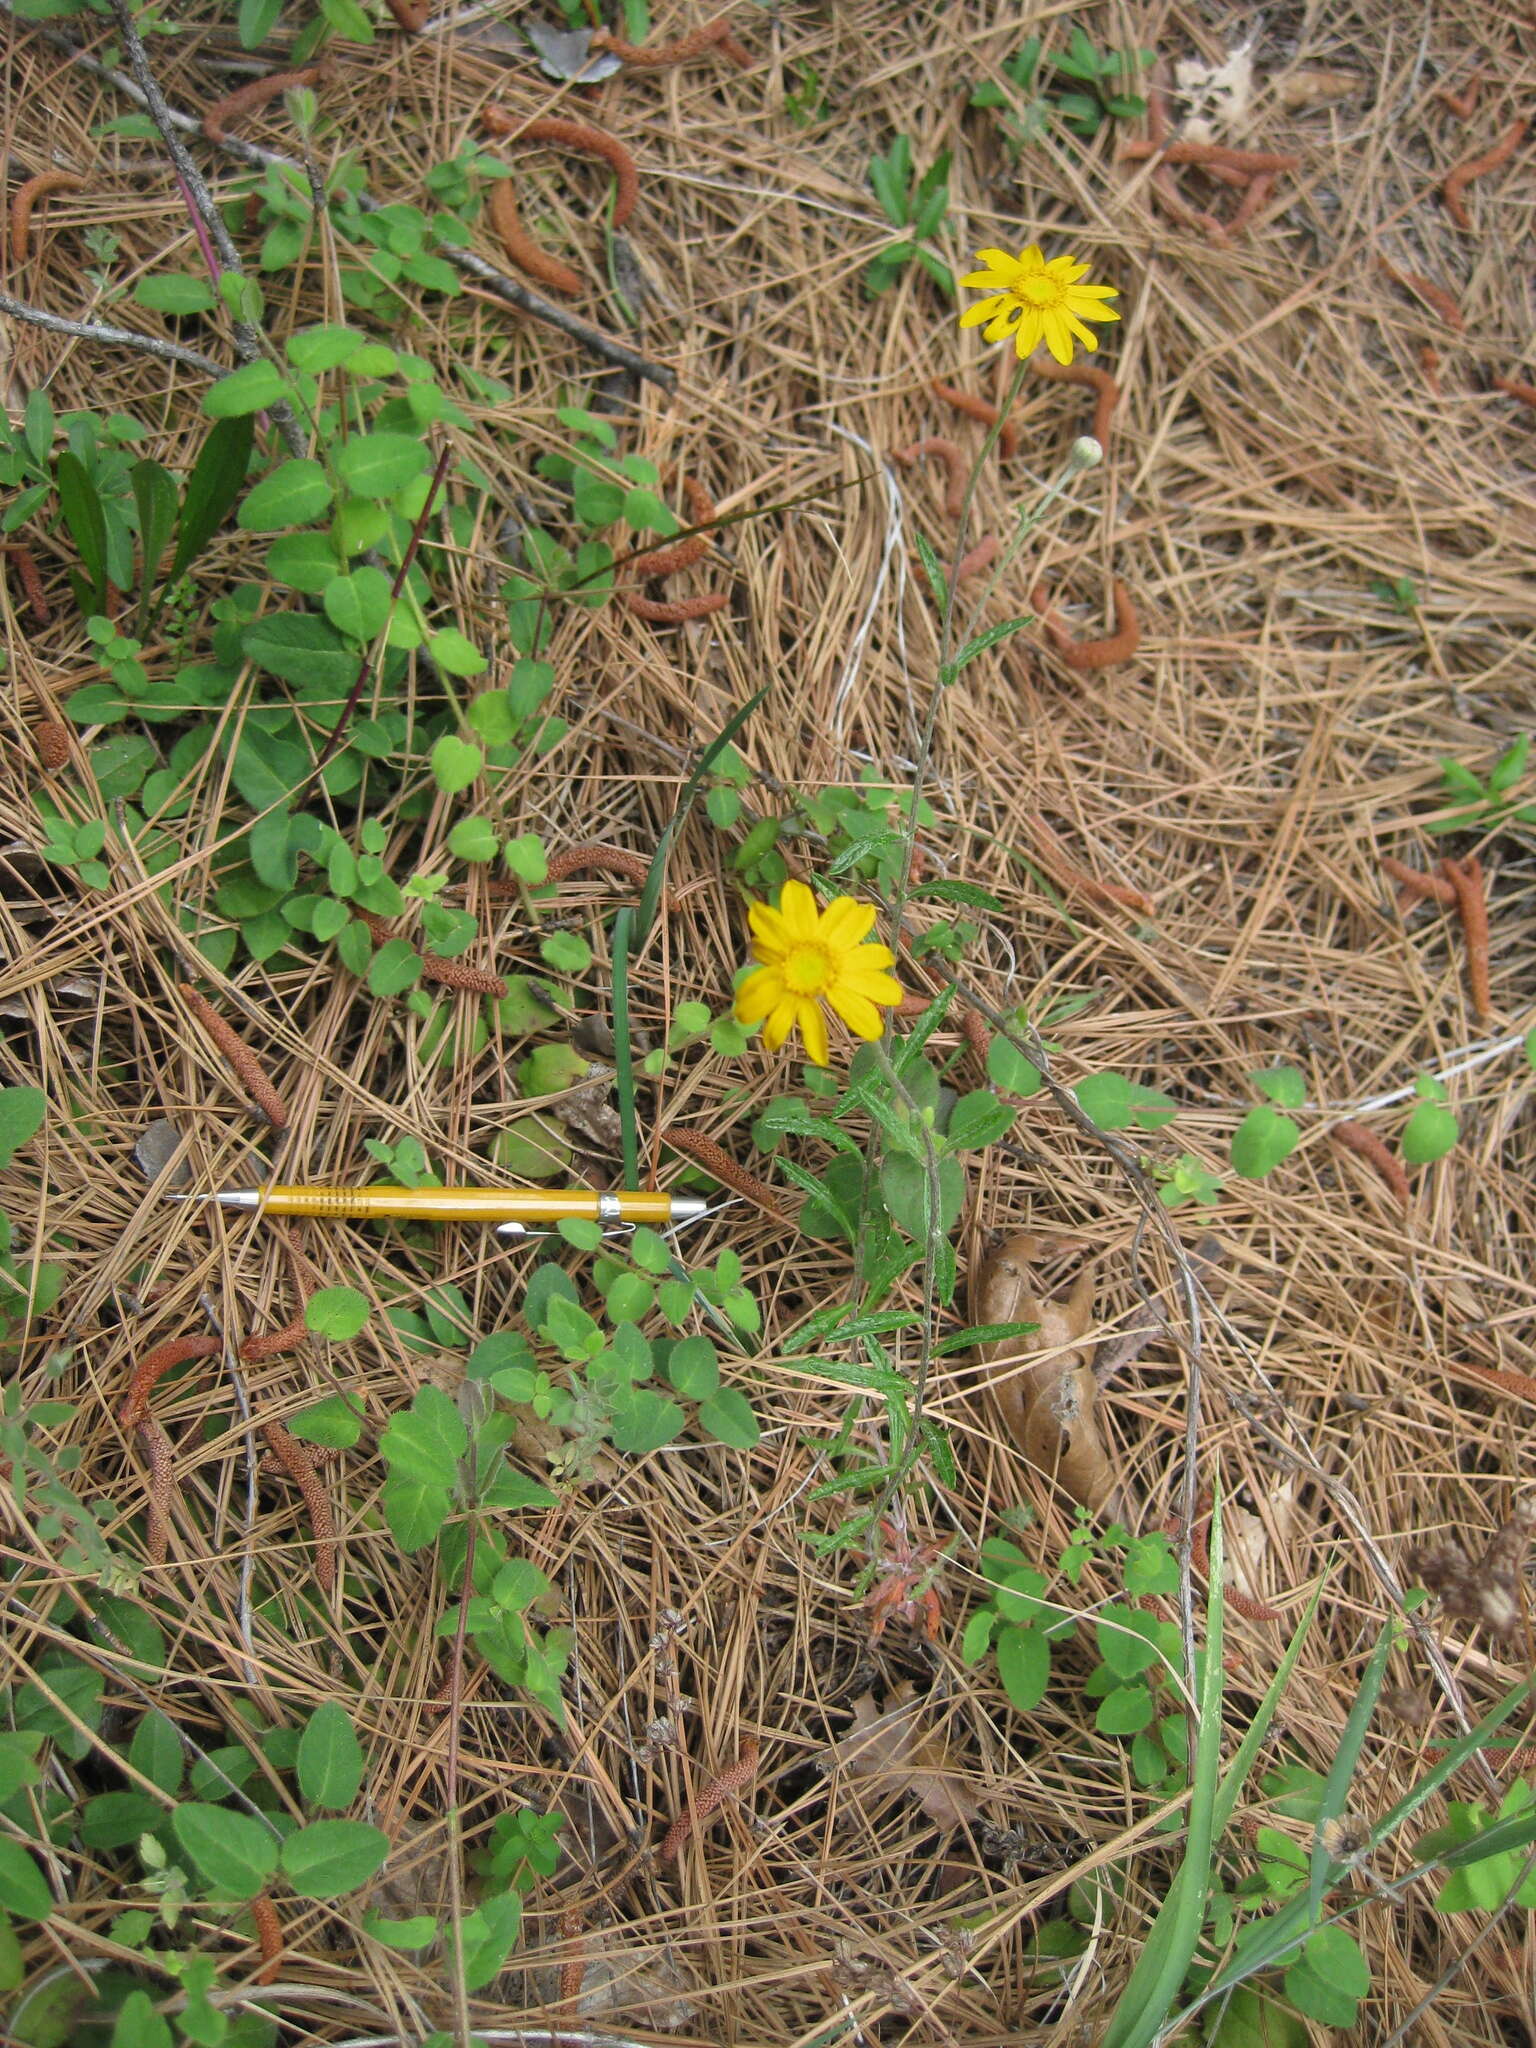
x=1036 y=301
x=809 y=957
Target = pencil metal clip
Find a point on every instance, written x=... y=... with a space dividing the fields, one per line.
x=610 y=1215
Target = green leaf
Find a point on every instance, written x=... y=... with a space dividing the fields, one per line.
x=330 y=1759
x=154 y=493
x=334 y=1423
x=979 y=1119
x=728 y=1417
x=255 y=22
x=251 y=388
x=296 y=492
x=23 y=1888
x=21 y=1115
x=174 y=292
x=643 y=1421
x=416 y=1932
x=566 y=952
x=456 y=764
x=217 y=478
x=474 y=839
x=394 y=968
x=357 y=604
x=235 y=1854
x=18 y=1747
x=455 y=655
x=80 y=502
x=336 y=1312
x=415 y=1512
x=1010 y=1070
x=1105 y=1099
x=889 y=177
x=320 y=348
x=377 y=465
x=1262 y=1141
x=694 y=1368
x=1024 y=1666
x=487 y=1936
x=1429 y=1134
x=945 y=891
x=330 y=1857
x=1283 y=1085
x=1124 y=1711
x=427 y=1442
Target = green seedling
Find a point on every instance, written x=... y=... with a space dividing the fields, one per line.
x=917 y=207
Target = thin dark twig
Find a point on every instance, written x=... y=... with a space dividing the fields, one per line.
x=114 y=337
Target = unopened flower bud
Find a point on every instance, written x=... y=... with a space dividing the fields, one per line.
x=1086 y=453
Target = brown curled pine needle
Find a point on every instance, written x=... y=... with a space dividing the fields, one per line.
x=438 y=968
x=31 y=578
x=153 y=1367
x=1513 y=388
x=269 y=1928
x=581 y=137
x=29 y=195
x=734 y=1779
x=1066 y=871
x=296 y=1462
x=1212 y=155
x=978 y=558
x=523 y=250
x=1458 y=179
x=679 y=554
x=1095 y=654
x=675 y=611
x=247 y=99
x=1164 y=184
x=1429 y=363
x=1430 y=294
x=411 y=15
x=1415 y=886
x=1260 y=188
x=1466 y=877
x=1106 y=390
x=595 y=853
x=1462 y=104
x=159 y=1457
x=247 y=1068
x=977 y=409
x=1200 y=1556
x=715 y=35
x=952 y=455
x=719 y=1164
x=1365 y=1144
x=1518 y=1384
x=51 y=738
x=573 y=1968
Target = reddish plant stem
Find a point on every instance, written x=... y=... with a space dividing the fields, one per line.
x=734 y=1779
x=717 y=1162
x=952 y=455
x=977 y=409
x=1466 y=877
x=523 y=250
x=153 y=1367
x=679 y=554
x=1458 y=179
x=31 y=579
x=581 y=137
x=437 y=967
x=246 y=99
x=1433 y=295
x=269 y=1930
x=1095 y=654
x=51 y=738
x=978 y=558
x=1414 y=886
x=294 y=1458
x=159 y=1457
x=1361 y=1140
x=1211 y=154
x=1462 y=104
x=1513 y=388
x=246 y=1067
x=715 y=35
x=29 y=195
x=1100 y=382
x=675 y=611
x=1071 y=876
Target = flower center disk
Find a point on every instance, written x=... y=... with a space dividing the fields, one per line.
x=808 y=969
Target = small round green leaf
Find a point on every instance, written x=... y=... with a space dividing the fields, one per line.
x=455 y=764
x=330 y=1759
x=330 y=1857
x=378 y=465
x=251 y=388
x=292 y=495
x=1024 y=1666
x=23 y=1888
x=451 y=651
x=1262 y=1141
x=473 y=839
x=235 y=1854
x=337 y=1313
x=1429 y=1134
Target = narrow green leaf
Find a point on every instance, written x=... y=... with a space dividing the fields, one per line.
x=80 y=503
x=217 y=479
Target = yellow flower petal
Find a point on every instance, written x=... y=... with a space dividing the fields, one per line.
x=779 y=1024
x=986 y=309
x=846 y=922
x=768 y=927
x=856 y=1011
x=813 y=1031
x=797 y=908
x=883 y=989
x=1058 y=335
x=758 y=994
x=874 y=955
